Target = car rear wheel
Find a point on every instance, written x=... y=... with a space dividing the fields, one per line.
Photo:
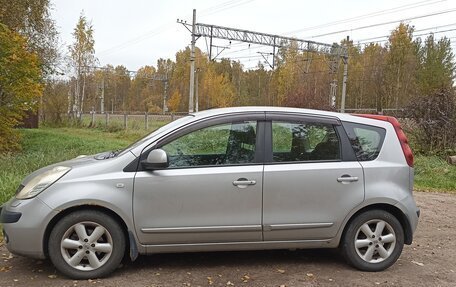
x=86 y=244
x=373 y=241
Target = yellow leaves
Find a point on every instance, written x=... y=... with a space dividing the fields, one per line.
x=173 y=102
x=20 y=86
x=217 y=89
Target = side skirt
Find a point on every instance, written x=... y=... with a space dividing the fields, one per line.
x=237 y=246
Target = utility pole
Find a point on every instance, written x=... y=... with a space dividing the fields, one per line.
x=165 y=96
x=102 y=95
x=210 y=46
x=344 y=80
x=196 y=89
x=192 y=65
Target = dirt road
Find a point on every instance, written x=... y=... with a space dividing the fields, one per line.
x=429 y=261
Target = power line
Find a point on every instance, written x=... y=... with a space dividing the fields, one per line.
x=420 y=30
x=385 y=23
x=369 y=15
x=158 y=30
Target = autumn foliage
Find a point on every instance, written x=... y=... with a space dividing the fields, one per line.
x=20 y=85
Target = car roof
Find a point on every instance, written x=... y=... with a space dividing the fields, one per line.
x=231 y=110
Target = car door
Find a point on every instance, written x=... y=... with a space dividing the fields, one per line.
x=311 y=180
x=212 y=189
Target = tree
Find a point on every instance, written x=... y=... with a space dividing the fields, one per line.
x=82 y=53
x=217 y=89
x=55 y=101
x=437 y=67
x=400 y=60
x=174 y=100
x=373 y=84
x=435 y=117
x=32 y=19
x=20 y=85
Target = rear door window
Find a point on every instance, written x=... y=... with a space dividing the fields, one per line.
x=304 y=141
x=365 y=140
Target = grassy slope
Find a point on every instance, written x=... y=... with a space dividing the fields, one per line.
x=44 y=146
x=434 y=174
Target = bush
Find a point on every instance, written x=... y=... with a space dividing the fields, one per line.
x=20 y=86
x=435 y=118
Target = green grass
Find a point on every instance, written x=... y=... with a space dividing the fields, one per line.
x=434 y=174
x=44 y=146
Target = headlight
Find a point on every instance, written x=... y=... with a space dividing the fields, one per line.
x=41 y=182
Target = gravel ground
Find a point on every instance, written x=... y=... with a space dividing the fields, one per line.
x=429 y=261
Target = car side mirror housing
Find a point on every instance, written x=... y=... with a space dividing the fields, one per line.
x=157 y=159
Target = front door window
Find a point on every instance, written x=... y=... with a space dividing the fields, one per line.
x=224 y=144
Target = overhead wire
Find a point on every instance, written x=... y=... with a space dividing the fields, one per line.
x=419 y=30
x=369 y=15
x=385 y=23
x=205 y=12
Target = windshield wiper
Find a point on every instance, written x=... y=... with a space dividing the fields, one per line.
x=114 y=153
x=109 y=154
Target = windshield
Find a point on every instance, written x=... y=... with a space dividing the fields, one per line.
x=158 y=131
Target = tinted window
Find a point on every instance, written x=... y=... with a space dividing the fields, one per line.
x=293 y=141
x=366 y=140
x=231 y=143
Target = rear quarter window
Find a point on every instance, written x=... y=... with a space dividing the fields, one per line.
x=365 y=140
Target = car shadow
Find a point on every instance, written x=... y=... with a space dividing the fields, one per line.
x=236 y=259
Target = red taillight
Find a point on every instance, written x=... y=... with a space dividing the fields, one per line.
x=399 y=132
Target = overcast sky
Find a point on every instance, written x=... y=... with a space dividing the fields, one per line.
x=135 y=33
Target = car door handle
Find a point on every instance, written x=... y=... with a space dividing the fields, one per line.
x=243 y=182
x=347 y=178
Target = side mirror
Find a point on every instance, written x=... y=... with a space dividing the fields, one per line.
x=157 y=159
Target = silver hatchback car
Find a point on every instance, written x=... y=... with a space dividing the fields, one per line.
x=225 y=179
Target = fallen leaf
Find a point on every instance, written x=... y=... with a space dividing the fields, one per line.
x=245 y=278
x=281 y=271
x=5 y=268
x=209 y=280
x=417 y=263
x=229 y=283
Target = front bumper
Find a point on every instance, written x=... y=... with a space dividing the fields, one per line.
x=24 y=224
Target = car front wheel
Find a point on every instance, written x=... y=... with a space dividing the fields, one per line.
x=373 y=241
x=86 y=244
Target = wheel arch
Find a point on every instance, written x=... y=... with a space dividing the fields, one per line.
x=395 y=211
x=71 y=209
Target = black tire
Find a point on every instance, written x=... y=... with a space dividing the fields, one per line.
x=113 y=233
x=353 y=231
